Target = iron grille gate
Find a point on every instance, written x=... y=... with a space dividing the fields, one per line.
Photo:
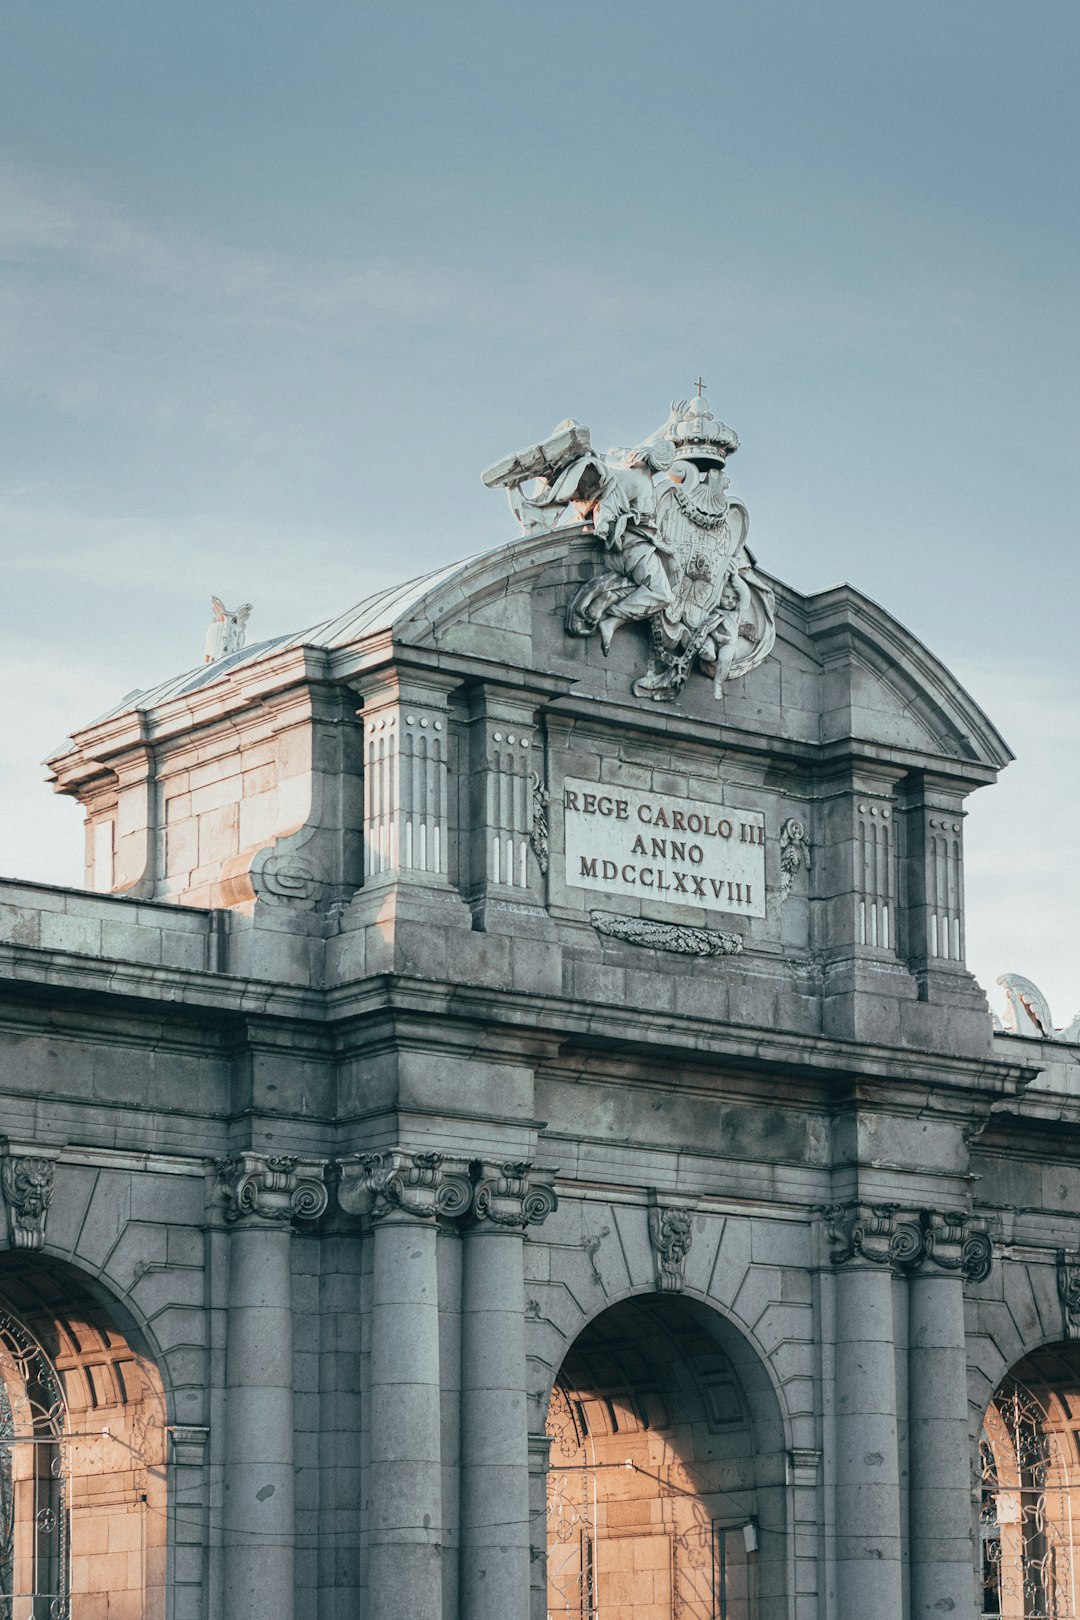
x=708 y=1567
x=35 y=1548
x=1026 y=1512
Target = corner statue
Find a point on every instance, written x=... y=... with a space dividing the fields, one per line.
x=674 y=545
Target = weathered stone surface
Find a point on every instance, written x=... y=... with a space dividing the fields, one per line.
x=350 y=1106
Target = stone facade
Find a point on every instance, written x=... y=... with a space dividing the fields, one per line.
x=533 y=1141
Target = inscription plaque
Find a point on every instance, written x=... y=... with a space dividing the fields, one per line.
x=654 y=846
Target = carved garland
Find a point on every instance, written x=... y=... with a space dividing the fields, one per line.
x=538 y=832
x=666 y=936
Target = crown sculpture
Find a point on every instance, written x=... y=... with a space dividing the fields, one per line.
x=674 y=545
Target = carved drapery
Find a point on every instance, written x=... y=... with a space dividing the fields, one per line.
x=272 y=1187
x=885 y=1234
x=27 y=1180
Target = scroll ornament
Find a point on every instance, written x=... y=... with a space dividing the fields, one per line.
x=884 y=1235
x=1068 y=1276
x=28 y=1190
x=419 y=1184
x=508 y=1195
x=671 y=1234
x=431 y=1186
x=274 y=1187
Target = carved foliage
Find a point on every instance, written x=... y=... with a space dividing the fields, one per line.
x=794 y=853
x=671 y=1234
x=276 y=1187
x=906 y=1240
x=666 y=936
x=538 y=833
x=28 y=1190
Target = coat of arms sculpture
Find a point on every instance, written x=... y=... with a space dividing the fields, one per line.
x=674 y=544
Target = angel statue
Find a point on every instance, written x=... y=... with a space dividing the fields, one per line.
x=673 y=544
x=226 y=632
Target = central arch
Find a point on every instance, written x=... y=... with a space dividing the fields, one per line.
x=666 y=1471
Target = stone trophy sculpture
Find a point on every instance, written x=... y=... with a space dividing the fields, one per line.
x=227 y=630
x=674 y=544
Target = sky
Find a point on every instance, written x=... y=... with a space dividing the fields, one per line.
x=278 y=280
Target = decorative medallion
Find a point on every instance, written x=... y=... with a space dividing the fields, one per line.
x=674 y=545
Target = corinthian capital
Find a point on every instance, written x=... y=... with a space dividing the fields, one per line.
x=420 y=1184
x=513 y=1194
x=272 y=1187
x=27 y=1180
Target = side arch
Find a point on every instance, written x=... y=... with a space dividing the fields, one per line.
x=100 y=1541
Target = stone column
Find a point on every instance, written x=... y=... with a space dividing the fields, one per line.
x=869 y=1571
x=494 y=1419
x=941 y=1522
x=401 y=1194
x=263 y=1195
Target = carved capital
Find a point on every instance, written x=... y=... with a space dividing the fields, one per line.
x=27 y=1179
x=877 y=1233
x=274 y=1187
x=1068 y=1276
x=512 y=1194
x=884 y=1234
x=189 y=1442
x=952 y=1245
x=422 y=1184
x=670 y=1234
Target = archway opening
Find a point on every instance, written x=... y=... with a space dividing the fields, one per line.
x=1029 y=1517
x=82 y=1454
x=665 y=1489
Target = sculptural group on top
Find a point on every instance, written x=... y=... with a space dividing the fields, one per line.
x=674 y=544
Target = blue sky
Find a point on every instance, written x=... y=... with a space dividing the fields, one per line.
x=278 y=280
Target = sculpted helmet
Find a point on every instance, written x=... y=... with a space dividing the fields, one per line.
x=698 y=437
